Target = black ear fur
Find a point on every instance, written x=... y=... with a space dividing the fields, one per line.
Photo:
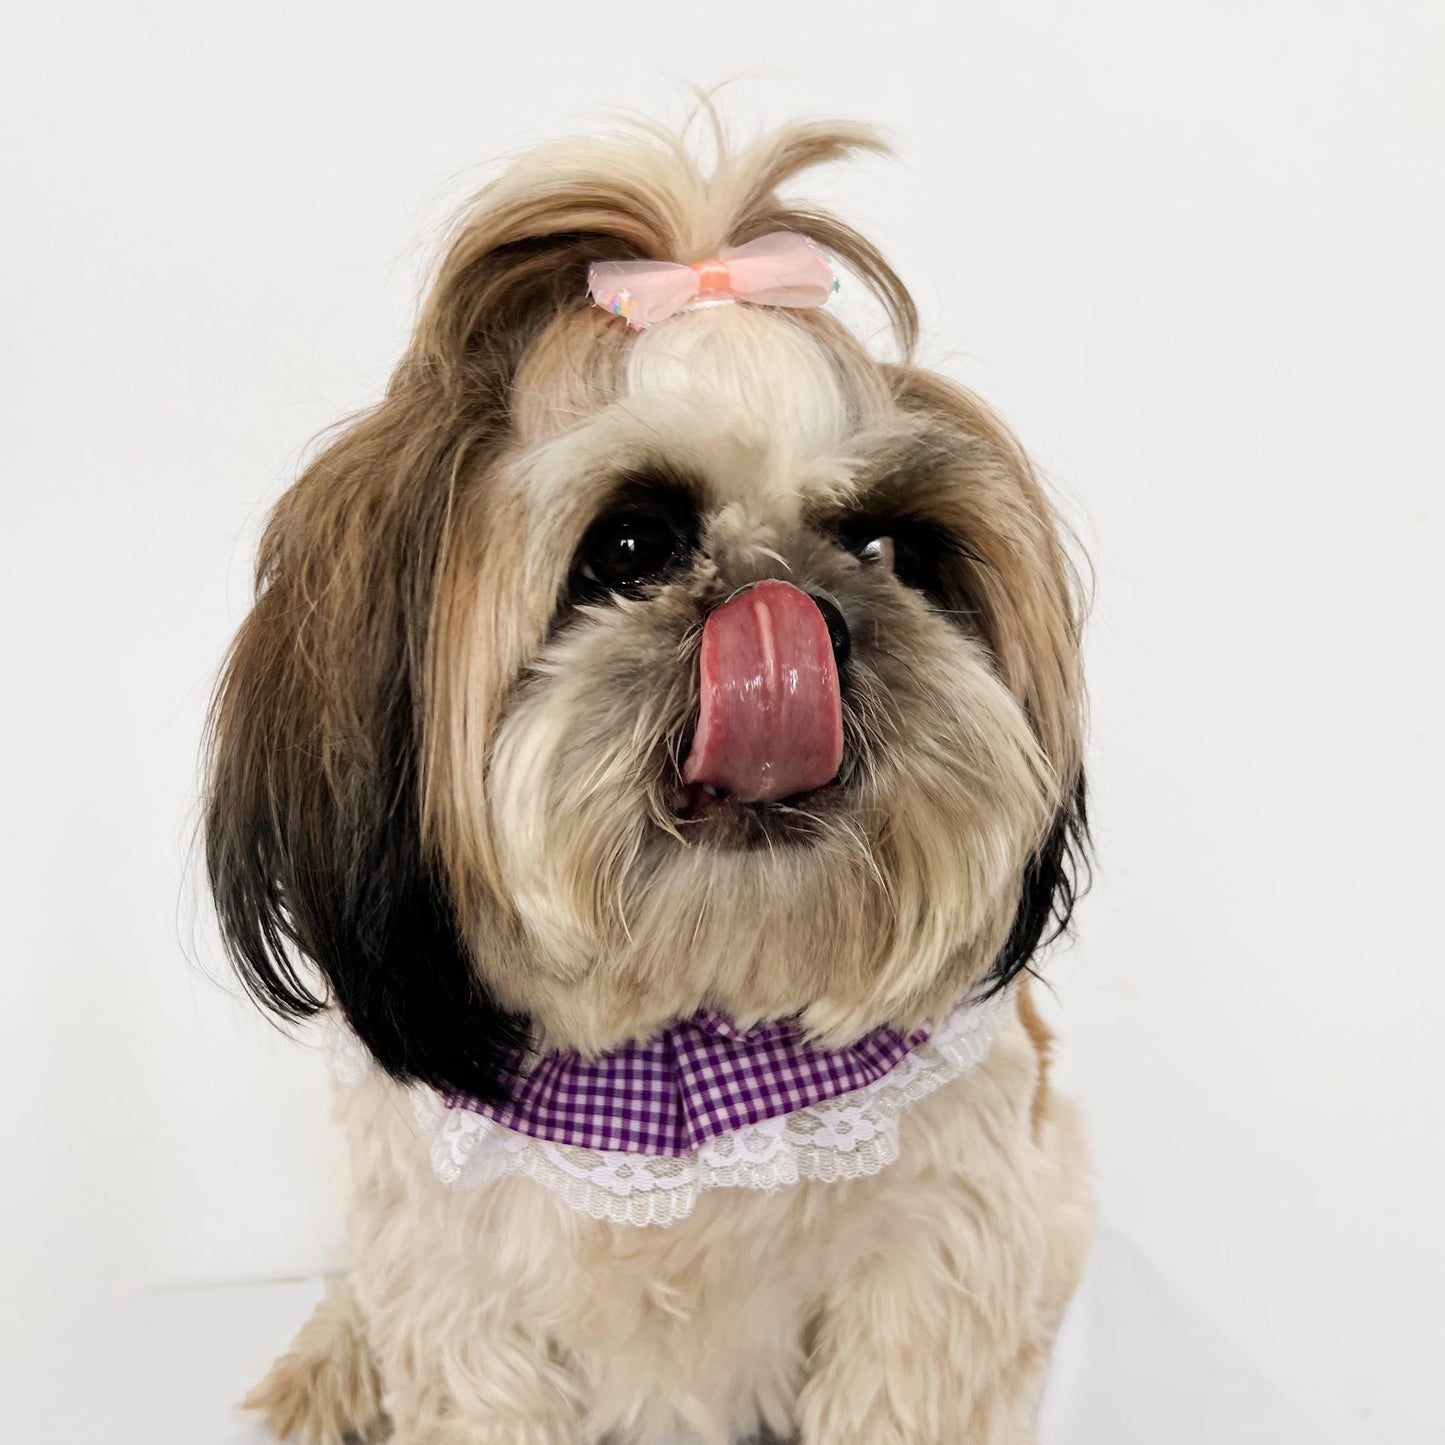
x=343 y=882
x=1055 y=878
x=382 y=930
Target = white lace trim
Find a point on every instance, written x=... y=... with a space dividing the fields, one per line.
x=853 y=1135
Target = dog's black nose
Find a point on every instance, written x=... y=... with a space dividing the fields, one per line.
x=837 y=628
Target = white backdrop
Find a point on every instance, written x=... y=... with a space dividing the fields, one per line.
x=1191 y=251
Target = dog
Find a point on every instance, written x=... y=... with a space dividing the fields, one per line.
x=656 y=747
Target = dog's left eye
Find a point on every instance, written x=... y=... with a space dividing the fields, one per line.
x=880 y=552
x=627 y=549
x=914 y=551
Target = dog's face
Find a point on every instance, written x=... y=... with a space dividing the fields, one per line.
x=601 y=676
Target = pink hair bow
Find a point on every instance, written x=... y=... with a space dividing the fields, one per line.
x=781 y=269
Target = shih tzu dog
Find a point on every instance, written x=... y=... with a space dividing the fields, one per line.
x=656 y=747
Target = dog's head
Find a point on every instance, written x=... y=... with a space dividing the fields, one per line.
x=599 y=675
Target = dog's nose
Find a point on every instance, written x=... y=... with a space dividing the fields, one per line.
x=838 y=633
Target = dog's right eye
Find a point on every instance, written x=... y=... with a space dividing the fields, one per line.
x=628 y=549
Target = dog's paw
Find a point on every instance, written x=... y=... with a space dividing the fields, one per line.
x=325 y=1389
x=856 y=1414
x=314 y=1400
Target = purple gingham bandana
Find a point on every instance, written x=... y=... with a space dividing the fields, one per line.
x=697 y=1079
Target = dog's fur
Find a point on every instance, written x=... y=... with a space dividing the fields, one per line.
x=445 y=770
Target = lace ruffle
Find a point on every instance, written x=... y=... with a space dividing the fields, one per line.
x=847 y=1137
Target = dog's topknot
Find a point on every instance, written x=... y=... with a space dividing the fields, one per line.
x=517 y=256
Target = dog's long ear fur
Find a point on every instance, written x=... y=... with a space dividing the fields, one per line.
x=318 y=835
x=1017 y=581
x=312 y=824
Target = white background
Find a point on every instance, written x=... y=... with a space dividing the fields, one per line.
x=1191 y=251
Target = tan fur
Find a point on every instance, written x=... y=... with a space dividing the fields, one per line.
x=414 y=683
x=1041 y=1037
x=325 y=1387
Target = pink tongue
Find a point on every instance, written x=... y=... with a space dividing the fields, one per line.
x=772 y=721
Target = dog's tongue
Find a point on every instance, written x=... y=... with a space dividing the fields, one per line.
x=772 y=721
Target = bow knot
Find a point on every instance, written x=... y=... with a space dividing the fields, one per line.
x=781 y=269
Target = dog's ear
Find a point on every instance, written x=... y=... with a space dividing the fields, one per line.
x=324 y=890
x=1014 y=578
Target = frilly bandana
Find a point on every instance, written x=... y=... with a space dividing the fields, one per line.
x=695 y=1080
x=781 y=269
x=637 y=1135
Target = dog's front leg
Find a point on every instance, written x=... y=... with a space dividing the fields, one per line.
x=946 y=1282
x=910 y=1353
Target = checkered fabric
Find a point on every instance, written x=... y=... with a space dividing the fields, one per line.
x=695 y=1080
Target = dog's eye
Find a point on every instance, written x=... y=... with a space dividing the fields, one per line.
x=627 y=549
x=913 y=551
x=880 y=552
